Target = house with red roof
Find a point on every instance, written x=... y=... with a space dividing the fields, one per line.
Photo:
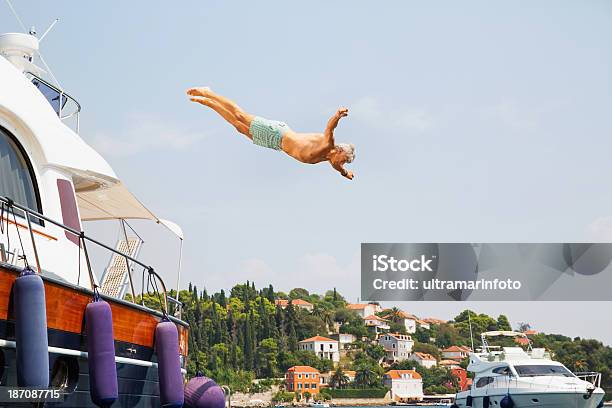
x=424 y=359
x=364 y=309
x=456 y=352
x=433 y=321
x=449 y=364
x=463 y=381
x=406 y=319
x=301 y=379
x=302 y=304
x=405 y=385
x=376 y=324
x=323 y=347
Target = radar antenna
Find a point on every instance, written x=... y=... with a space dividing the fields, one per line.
x=32 y=32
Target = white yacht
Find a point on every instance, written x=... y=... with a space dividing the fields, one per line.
x=510 y=377
x=51 y=182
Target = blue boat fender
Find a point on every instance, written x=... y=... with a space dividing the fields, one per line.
x=31 y=330
x=506 y=402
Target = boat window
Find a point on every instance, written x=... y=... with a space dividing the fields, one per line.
x=16 y=177
x=51 y=95
x=484 y=381
x=542 y=370
x=502 y=370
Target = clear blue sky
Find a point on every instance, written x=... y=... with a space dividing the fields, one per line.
x=473 y=121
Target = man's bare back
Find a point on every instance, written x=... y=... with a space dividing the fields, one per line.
x=310 y=148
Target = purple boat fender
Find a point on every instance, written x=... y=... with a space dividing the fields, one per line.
x=101 y=350
x=169 y=365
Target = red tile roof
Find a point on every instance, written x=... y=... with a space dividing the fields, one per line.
x=374 y=317
x=424 y=356
x=432 y=320
x=318 y=338
x=401 y=314
x=356 y=306
x=449 y=363
x=397 y=374
x=296 y=302
x=303 y=369
x=457 y=349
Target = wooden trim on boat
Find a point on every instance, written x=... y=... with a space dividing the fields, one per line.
x=66 y=305
x=25 y=227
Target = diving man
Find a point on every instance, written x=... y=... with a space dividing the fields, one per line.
x=310 y=148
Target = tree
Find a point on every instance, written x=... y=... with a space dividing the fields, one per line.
x=324 y=365
x=503 y=323
x=266 y=357
x=338 y=379
x=365 y=376
x=283 y=396
x=307 y=395
x=394 y=314
x=299 y=293
x=523 y=327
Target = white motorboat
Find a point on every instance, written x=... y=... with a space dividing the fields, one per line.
x=51 y=182
x=510 y=377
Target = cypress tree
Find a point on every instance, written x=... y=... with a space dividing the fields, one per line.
x=270 y=294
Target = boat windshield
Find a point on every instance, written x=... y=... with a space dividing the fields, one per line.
x=542 y=370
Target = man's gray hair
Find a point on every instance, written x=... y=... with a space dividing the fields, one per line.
x=349 y=149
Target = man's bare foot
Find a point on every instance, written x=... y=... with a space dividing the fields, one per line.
x=200 y=99
x=199 y=91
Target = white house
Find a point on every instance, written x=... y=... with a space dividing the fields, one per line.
x=376 y=324
x=323 y=347
x=397 y=346
x=423 y=324
x=364 y=309
x=449 y=364
x=456 y=352
x=344 y=339
x=424 y=359
x=405 y=385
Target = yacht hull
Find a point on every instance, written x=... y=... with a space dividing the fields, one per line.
x=134 y=328
x=537 y=399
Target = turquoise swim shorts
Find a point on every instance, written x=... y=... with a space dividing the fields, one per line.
x=268 y=133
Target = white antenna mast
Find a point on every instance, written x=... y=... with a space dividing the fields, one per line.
x=48 y=29
x=471 y=334
x=16 y=15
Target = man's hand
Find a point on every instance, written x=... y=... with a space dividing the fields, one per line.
x=342 y=113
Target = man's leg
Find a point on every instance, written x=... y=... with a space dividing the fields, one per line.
x=227 y=104
x=239 y=123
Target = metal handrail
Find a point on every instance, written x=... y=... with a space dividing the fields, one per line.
x=62 y=94
x=80 y=234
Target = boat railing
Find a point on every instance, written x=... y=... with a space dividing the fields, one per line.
x=65 y=106
x=153 y=277
x=590 y=376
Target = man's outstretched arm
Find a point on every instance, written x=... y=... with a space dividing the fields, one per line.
x=333 y=123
